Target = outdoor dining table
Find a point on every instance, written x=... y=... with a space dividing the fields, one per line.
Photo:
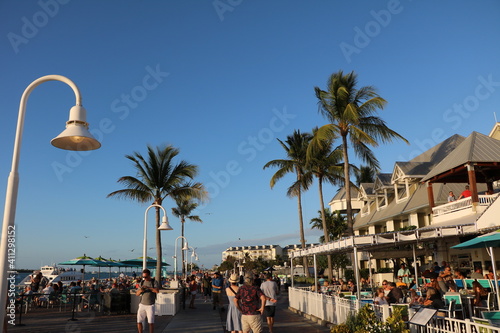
x=469 y=299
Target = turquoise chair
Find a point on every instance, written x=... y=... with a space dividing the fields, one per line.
x=483 y=321
x=459 y=283
x=468 y=283
x=491 y=315
x=457 y=307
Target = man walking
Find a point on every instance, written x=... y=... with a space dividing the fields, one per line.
x=250 y=300
x=217 y=284
x=147 y=291
x=270 y=290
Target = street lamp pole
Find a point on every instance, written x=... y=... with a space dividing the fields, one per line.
x=175 y=253
x=75 y=137
x=164 y=226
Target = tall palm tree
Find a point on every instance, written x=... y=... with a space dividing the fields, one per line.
x=185 y=206
x=351 y=113
x=157 y=177
x=325 y=164
x=295 y=147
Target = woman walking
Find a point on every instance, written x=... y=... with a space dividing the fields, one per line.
x=193 y=290
x=233 y=321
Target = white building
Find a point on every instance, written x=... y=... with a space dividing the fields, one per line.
x=266 y=252
x=408 y=207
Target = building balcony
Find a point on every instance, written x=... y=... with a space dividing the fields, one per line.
x=461 y=209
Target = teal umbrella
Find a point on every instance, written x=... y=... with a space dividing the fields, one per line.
x=487 y=241
x=137 y=262
x=83 y=261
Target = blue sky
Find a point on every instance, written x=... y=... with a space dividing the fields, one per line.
x=220 y=80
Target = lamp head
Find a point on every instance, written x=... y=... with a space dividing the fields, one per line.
x=76 y=136
x=164 y=224
x=186 y=246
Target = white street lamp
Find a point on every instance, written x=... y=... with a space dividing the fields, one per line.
x=175 y=253
x=164 y=226
x=75 y=137
x=193 y=255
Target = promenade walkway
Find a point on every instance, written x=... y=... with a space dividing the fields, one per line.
x=200 y=320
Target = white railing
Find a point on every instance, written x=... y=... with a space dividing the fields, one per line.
x=450 y=207
x=336 y=310
x=332 y=309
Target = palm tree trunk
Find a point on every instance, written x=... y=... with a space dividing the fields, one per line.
x=347 y=186
x=158 y=247
x=325 y=228
x=182 y=246
x=302 y=236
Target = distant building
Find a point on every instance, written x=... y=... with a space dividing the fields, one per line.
x=266 y=252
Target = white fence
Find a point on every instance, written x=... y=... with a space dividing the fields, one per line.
x=336 y=310
x=332 y=309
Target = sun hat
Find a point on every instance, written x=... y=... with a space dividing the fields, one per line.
x=234 y=278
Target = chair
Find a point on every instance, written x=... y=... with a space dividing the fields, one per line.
x=449 y=311
x=492 y=315
x=457 y=307
x=482 y=321
x=468 y=283
x=459 y=283
x=485 y=283
x=490 y=303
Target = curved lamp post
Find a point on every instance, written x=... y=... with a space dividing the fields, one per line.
x=164 y=226
x=75 y=137
x=193 y=255
x=186 y=247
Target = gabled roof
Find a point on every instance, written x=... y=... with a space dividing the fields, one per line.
x=367 y=189
x=476 y=148
x=341 y=193
x=383 y=180
x=439 y=151
x=415 y=169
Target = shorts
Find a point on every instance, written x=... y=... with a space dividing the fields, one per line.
x=251 y=322
x=146 y=311
x=269 y=311
x=194 y=292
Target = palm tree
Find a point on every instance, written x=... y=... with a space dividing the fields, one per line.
x=325 y=164
x=185 y=207
x=158 y=177
x=352 y=116
x=335 y=224
x=295 y=147
x=365 y=174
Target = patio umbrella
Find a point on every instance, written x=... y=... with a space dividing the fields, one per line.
x=487 y=241
x=137 y=262
x=83 y=260
x=103 y=262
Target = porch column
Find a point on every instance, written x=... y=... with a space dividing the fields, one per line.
x=413 y=219
x=389 y=225
x=430 y=195
x=371 y=229
x=472 y=183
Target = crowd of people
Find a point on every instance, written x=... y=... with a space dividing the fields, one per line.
x=249 y=297
x=438 y=281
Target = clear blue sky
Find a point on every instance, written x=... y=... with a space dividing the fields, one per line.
x=220 y=80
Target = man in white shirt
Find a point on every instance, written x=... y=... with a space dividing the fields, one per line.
x=270 y=289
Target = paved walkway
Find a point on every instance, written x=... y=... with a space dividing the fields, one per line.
x=200 y=320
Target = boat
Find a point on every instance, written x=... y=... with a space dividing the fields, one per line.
x=54 y=274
